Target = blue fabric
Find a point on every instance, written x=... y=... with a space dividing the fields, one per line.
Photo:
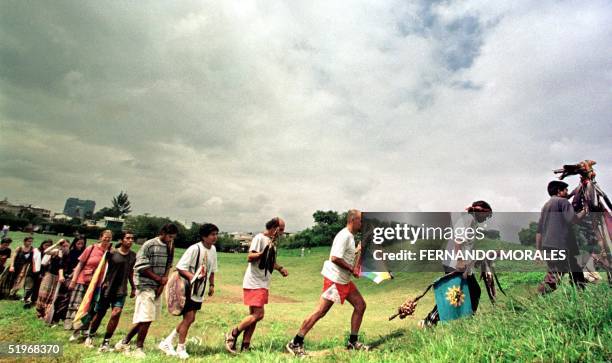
x=452 y=297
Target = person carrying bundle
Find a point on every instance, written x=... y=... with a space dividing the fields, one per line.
x=197 y=266
x=256 y=282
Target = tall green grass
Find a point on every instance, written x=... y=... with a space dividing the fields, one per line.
x=566 y=325
x=563 y=326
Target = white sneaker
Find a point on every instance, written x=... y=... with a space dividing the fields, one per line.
x=182 y=354
x=296 y=349
x=122 y=347
x=357 y=346
x=167 y=348
x=104 y=348
x=89 y=342
x=137 y=353
x=76 y=335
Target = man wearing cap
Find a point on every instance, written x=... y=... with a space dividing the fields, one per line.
x=555 y=233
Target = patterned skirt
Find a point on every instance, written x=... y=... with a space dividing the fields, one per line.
x=24 y=279
x=62 y=300
x=47 y=295
x=7 y=280
x=76 y=298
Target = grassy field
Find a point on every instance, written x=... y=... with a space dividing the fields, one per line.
x=564 y=326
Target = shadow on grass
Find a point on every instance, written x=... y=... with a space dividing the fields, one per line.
x=204 y=350
x=388 y=337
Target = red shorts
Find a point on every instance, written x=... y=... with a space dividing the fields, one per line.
x=255 y=297
x=336 y=292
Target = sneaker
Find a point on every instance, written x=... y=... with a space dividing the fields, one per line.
x=357 y=346
x=89 y=342
x=182 y=354
x=105 y=347
x=295 y=349
x=230 y=343
x=167 y=348
x=76 y=335
x=67 y=324
x=122 y=347
x=137 y=353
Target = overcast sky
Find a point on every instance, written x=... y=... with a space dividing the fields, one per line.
x=234 y=112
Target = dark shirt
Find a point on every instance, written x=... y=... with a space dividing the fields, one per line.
x=22 y=258
x=5 y=252
x=57 y=263
x=73 y=261
x=555 y=224
x=119 y=270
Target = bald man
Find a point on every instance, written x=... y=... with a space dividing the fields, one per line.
x=256 y=282
x=337 y=286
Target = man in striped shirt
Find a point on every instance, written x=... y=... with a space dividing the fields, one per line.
x=153 y=262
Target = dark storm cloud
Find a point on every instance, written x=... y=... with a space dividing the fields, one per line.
x=233 y=112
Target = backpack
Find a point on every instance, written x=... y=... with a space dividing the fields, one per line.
x=179 y=289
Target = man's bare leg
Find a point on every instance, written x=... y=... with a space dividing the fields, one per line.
x=319 y=312
x=247 y=325
x=184 y=325
x=359 y=307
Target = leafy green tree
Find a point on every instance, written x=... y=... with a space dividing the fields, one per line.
x=121 y=205
x=12 y=220
x=329 y=217
x=585 y=236
x=32 y=217
x=147 y=226
x=105 y=212
x=193 y=233
x=492 y=234
x=327 y=225
x=527 y=236
x=227 y=243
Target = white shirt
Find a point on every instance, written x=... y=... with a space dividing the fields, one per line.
x=254 y=277
x=37 y=260
x=343 y=247
x=208 y=257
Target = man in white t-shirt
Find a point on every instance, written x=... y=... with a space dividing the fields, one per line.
x=256 y=282
x=198 y=265
x=337 y=286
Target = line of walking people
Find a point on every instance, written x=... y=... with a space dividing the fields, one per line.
x=68 y=273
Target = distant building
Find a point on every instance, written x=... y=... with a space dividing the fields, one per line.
x=79 y=208
x=111 y=223
x=22 y=210
x=244 y=238
x=60 y=217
